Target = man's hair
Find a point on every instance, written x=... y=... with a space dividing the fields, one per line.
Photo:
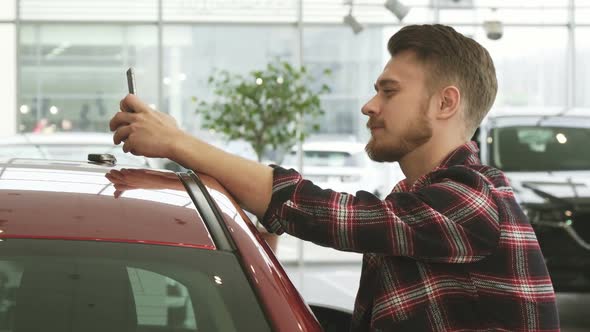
x=452 y=58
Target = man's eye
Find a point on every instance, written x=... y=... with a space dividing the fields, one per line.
x=388 y=92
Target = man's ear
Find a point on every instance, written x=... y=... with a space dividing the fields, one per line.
x=449 y=102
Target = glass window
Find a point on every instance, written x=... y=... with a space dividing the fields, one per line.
x=540 y=148
x=76 y=10
x=582 y=11
x=530 y=65
x=77 y=73
x=192 y=54
x=230 y=11
x=582 y=72
x=368 y=11
x=161 y=301
x=7 y=10
x=8 y=79
x=355 y=62
x=519 y=14
x=91 y=286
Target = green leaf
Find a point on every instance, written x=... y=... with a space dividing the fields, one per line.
x=263 y=115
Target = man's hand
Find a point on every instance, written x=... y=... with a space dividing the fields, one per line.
x=130 y=179
x=144 y=131
x=154 y=134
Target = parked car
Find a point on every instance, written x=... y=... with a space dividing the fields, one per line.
x=344 y=167
x=546 y=158
x=73 y=146
x=87 y=246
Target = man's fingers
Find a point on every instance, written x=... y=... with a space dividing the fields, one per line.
x=129 y=146
x=123 y=107
x=118 y=193
x=124 y=187
x=121 y=119
x=122 y=134
x=114 y=174
x=131 y=103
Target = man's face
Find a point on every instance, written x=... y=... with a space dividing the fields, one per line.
x=398 y=113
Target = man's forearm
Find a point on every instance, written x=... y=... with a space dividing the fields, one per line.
x=248 y=181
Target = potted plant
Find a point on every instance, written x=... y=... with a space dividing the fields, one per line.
x=264 y=107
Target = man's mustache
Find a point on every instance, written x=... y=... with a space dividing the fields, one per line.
x=375 y=123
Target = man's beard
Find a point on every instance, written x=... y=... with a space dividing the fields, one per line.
x=418 y=133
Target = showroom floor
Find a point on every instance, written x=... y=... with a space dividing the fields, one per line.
x=336 y=284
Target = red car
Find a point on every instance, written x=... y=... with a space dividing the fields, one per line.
x=92 y=247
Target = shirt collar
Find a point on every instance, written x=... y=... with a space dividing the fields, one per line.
x=467 y=153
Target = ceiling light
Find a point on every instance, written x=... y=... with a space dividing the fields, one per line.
x=397 y=8
x=493 y=26
x=351 y=20
x=353 y=23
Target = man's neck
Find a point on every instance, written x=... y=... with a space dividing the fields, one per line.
x=426 y=158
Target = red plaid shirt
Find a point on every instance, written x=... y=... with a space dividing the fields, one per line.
x=453 y=252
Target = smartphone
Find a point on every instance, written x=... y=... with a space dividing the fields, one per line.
x=131 y=80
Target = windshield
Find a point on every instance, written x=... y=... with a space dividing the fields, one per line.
x=55 y=286
x=69 y=152
x=540 y=148
x=324 y=158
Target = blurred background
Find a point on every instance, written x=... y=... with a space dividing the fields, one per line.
x=63 y=62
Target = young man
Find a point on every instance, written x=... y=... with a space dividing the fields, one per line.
x=449 y=249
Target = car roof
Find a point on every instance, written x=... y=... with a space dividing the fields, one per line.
x=545 y=116
x=61 y=138
x=74 y=200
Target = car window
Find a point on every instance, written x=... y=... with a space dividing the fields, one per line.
x=55 y=285
x=530 y=148
x=323 y=158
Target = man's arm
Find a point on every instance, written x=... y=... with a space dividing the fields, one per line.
x=155 y=134
x=454 y=220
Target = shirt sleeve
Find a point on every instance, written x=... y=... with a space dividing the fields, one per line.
x=453 y=219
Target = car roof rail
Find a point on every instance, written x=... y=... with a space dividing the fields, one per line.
x=208 y=209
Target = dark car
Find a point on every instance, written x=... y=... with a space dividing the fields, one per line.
x=86 y=246
x=546 y=158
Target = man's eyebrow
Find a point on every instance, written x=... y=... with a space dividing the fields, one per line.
x=385 y=82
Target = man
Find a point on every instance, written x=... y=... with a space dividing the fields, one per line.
x=449 y=249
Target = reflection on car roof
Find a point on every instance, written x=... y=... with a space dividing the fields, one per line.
x=67 y=200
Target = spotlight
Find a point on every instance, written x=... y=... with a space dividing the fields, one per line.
x=353 y=23
x=494 y=29
x=397 y=8
x=493 y=26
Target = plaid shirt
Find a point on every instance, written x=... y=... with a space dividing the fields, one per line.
x=453 y=252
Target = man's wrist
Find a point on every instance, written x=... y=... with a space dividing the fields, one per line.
x=175 y=146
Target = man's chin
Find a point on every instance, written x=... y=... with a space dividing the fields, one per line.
x=382 y=154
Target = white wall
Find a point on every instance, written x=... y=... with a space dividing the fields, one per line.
x=7 y=80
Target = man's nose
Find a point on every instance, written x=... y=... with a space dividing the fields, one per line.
x=371 y=107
